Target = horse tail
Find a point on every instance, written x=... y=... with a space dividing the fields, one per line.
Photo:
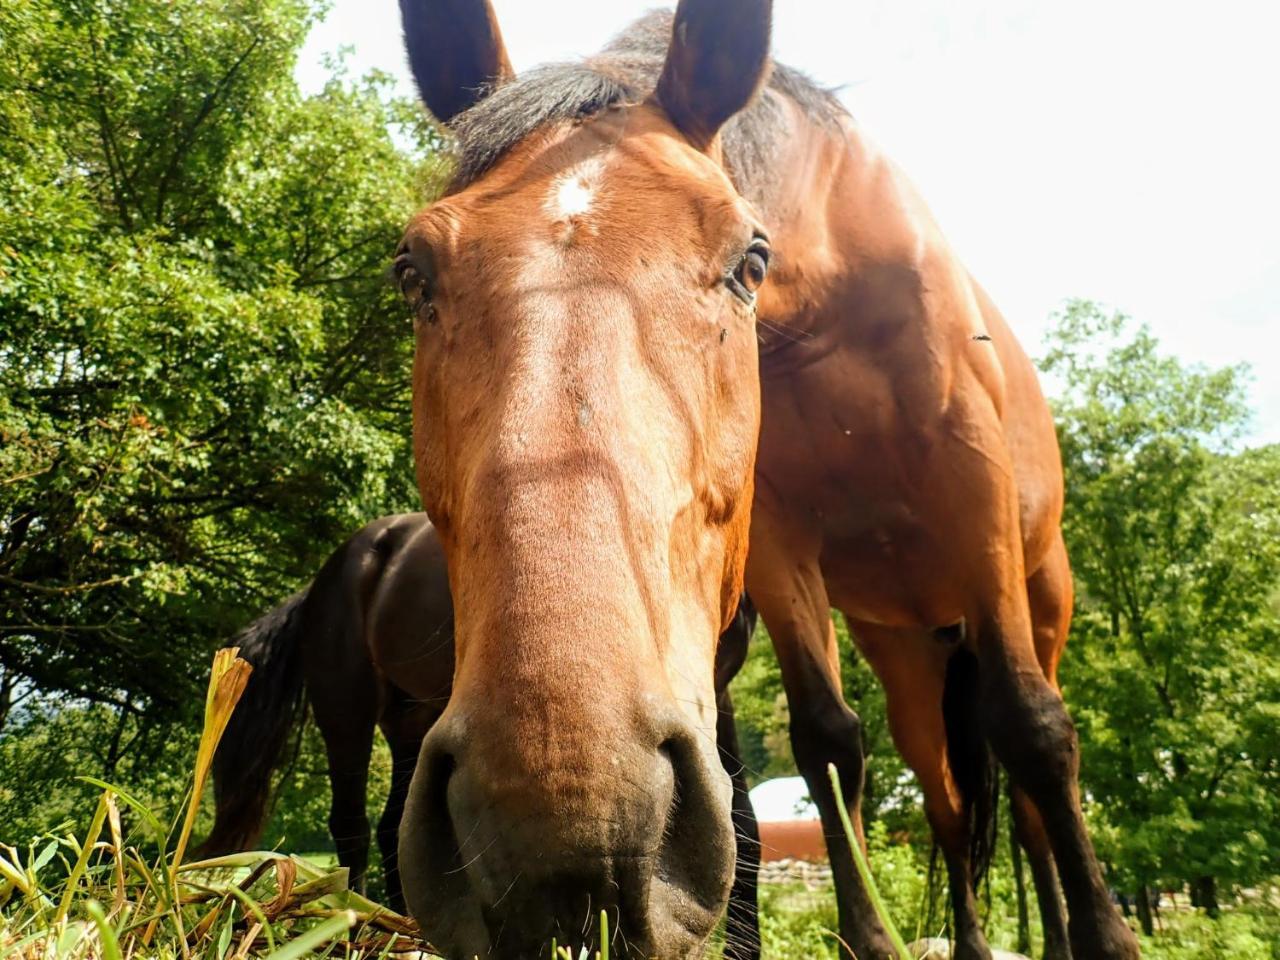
x=272 y=705
x=972 y=761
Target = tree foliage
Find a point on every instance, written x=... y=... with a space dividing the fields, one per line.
x=203 y=371
x=1171 y=671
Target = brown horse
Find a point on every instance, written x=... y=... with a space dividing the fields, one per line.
x=369 y=643
x=603 y=385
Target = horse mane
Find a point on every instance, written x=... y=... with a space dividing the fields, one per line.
x=626 y=72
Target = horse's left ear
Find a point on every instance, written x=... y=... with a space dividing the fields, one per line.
x=717 y=61
x=455 y=51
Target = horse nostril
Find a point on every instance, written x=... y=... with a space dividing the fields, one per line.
x=437 y=888
x=429 y=847
x=697 y=849
x=440 y=830
x=439 y=770
x=496 y=855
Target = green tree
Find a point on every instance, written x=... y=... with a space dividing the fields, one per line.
x=1171 y=669
x=203 y=371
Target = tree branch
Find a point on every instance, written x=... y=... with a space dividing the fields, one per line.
x=207 y=108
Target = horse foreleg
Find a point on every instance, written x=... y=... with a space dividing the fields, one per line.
x=793 y=602
x=1049 y=596
x=742 y=924
x=912 y=667
x=1027 y=724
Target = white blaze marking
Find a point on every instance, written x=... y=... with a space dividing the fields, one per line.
x=573 y=199
x=573 y=192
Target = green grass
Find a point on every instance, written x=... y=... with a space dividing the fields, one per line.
x=103 y=895
x=121 y=889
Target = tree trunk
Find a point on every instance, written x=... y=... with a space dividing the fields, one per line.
x=113 y=748
x=1144 y=910
x=1020 y=886
x=1204 y=894
x=7 y=680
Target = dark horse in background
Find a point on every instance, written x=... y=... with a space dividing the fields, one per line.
x=369 y=643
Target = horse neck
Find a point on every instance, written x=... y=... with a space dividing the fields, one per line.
x=852 y=239
x=864 y=281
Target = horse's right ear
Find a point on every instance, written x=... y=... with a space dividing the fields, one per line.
x=455 y=51
x=717 y=62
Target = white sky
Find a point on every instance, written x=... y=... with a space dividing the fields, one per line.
x=1119 y=150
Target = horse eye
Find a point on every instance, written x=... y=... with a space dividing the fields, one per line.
x=754 y=268
x=415 y=287
x=751 y=270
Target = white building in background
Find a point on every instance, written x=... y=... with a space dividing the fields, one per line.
x=782 y=799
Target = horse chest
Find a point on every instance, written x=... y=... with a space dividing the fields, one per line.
x=877 y=479
x=845 y=447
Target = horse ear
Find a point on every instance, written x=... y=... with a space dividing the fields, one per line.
x=455 y=51
x=717 y=61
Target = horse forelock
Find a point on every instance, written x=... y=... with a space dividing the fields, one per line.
x=626 y=72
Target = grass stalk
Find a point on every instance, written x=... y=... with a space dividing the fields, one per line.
x=82 y=861
x=864 y=870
